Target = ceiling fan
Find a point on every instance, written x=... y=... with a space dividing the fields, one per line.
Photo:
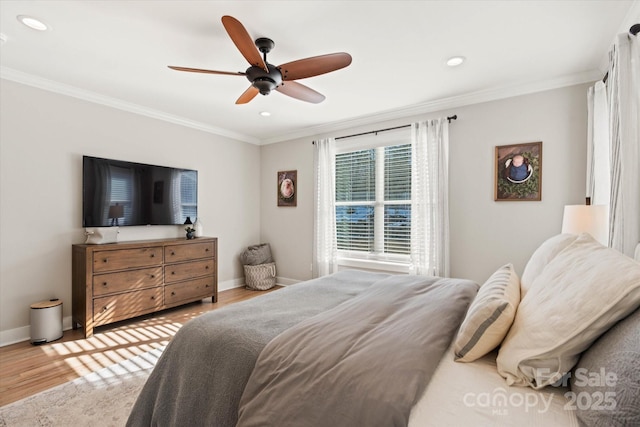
x=265 y=77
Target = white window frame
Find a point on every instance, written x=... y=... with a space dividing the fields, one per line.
x=397 y=263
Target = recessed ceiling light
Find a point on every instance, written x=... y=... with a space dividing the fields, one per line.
x=32 y=22
x=454 y=61
x=265 y=113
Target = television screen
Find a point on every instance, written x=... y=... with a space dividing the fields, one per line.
x=120 y=193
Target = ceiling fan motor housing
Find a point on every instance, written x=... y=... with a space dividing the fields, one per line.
x=263 y=81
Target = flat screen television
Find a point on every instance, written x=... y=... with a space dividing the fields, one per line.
x=121 y=193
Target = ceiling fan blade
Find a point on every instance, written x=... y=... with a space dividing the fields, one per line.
x=200 y=70
x=314 y=66
x=248 y=95
x=301 y=92
x=243 y=41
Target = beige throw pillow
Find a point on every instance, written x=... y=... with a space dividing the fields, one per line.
x=580 y=294
x=490 y=315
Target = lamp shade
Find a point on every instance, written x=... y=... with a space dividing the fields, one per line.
x=592 y=219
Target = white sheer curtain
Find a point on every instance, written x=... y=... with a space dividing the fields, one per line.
x=430 y=198
x=623 y=89
x=325 y=246
x=613 y=171
x=598 y=161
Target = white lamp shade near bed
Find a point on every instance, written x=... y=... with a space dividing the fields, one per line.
x=592 y=219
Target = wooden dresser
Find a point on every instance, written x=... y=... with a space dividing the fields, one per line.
x=118 y=281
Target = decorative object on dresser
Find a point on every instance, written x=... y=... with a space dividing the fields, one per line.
x=118 y=281
x=198 y=227
x=191 y=231
x=101 y=235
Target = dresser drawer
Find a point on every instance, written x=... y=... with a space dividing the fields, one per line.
x=190 y=290
x=109 y=283
x=121 y=259
x=188 y=270
x=123 y=306
x=178 y=253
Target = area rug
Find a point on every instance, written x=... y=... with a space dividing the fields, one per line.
x=103 y=398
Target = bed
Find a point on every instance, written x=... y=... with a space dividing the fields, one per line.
x=371 y=349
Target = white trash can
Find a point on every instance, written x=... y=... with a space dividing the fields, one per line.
x=46 y=321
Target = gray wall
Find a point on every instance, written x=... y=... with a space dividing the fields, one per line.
x=43 y=136
x=484 y=234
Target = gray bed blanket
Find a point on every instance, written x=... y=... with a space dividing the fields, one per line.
x=201 y=374
x=365 y=362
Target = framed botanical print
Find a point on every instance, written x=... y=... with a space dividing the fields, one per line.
x=518 y=172
x=287 y=181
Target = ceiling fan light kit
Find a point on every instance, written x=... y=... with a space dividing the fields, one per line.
x=265 y=77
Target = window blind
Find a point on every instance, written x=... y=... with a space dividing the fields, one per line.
x=373 y=201
x=397 y=198
x=355 y=196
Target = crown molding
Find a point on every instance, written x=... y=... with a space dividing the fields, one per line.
x=68 y=90
x=478 y=97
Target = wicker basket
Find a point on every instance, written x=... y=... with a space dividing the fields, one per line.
x=260 y=277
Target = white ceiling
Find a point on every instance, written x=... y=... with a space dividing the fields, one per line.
x=117 y=52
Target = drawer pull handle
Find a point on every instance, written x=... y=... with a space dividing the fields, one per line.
x=207 y=267
x=173 y=253
x=104 y=308
x=206 y=286
x=153 y=297
x=173 y=293
x=153 y=255
x=105 y=260
x=173 y=272
x=206 y=250
x=153 y=276
x=104 y=283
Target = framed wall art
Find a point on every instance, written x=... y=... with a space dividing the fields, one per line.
x=287 y=181
x=518 y=172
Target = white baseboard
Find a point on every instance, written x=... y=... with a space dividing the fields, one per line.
x=284 y=281
x=230 y=284
x=23 y=333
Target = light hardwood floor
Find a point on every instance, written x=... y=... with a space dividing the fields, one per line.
x=26 y=369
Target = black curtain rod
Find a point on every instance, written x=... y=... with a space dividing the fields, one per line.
x=634 y=30
x=449 y=119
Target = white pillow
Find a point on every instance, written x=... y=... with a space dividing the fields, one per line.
x=541 y=257
x=580 y=294
x=490 y=315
